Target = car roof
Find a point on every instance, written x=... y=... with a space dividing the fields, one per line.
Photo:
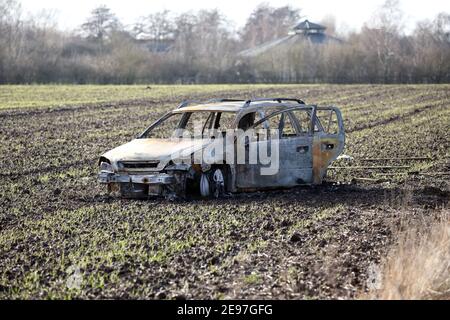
x=236 y=106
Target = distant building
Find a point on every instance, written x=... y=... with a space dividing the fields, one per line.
x=156 y=46
x=304 y=31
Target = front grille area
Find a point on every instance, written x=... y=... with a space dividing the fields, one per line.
x=140 y=165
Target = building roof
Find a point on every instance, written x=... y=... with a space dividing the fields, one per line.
x=304 y=31
x=306 y=25
x=288 y=42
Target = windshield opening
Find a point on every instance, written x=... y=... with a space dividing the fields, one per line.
x=191 y=125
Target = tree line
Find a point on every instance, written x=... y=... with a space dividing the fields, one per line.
x=201 y=47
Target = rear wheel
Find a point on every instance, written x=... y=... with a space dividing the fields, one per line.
x=214 y=182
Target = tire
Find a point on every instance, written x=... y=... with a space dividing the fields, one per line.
x=214 y=183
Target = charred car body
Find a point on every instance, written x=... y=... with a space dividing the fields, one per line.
x=308 y=139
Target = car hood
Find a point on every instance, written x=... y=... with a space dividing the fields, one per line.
x=155 y=149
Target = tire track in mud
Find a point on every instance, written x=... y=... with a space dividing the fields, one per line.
x=29 y=112
x=75 y=108
x=399 y=99
x=356 y=97
x=19 y=112
x=395 y=118
x=396 y=93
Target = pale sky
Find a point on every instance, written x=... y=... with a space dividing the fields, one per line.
x=349 y=13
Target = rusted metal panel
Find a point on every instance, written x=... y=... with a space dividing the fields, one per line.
x=295 y=166
x=323 y=155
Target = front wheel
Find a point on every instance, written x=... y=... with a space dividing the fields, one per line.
x=219 y=183
x=213 y=183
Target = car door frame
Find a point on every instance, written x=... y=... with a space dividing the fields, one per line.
x=293 y=170
x=326 y=147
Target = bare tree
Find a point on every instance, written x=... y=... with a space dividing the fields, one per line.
x=432 y=49
x=203 y=42
x=184 y=34
x=11 y=38
x=329 y=21
x=382 y=35
x=157 y=26
x=100 y=24
x=267 y=23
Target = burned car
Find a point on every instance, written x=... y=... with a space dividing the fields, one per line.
x=226 y=146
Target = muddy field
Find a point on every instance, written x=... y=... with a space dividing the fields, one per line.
x=62 y=236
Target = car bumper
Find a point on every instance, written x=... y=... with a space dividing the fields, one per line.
x=105 y=177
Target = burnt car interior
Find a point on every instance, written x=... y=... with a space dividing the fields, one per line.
x=287 y=124
x=179 y=125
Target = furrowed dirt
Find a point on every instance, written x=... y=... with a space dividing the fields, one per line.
x=314 y=243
